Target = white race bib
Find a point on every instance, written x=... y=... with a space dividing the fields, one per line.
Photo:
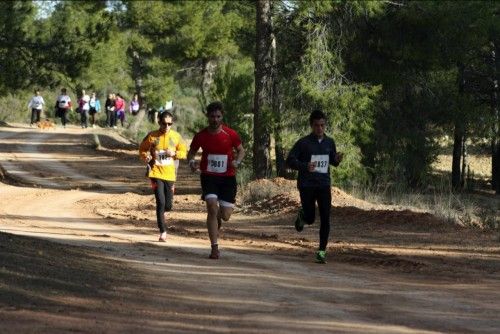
x=321 y=162
x=217 y=163
x=161 y=158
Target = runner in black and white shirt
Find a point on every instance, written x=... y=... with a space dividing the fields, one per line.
x=312 y=156
x=63 y=104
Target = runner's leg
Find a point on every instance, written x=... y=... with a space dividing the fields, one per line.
x=112 y=118
x=308 y=200
x=159 y=189
x=210 y=195
x=33 y=116
x=86 y=112
x=227 y=197
x=108 y=118
x=224 y=212
x=83 y=119
x=169 y=195
x=212 y=209
x=324 y=196
x=63 y=117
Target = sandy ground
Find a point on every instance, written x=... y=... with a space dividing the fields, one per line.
x=79 y=253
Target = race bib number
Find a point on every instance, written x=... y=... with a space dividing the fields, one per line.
x=161 y=159
x=63 y=104
x=217 y=163
x=321 y=162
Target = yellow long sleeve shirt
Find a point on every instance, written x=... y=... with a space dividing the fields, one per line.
x=154 y=145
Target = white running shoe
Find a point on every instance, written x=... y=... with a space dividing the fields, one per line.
x=163 y=237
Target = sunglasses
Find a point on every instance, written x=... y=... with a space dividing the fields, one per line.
x=167 y=124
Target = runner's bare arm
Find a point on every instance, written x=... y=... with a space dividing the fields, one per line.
x=240 y=154
x=190 y=157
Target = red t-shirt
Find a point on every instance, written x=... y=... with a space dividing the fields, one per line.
x=119 y=104
x=218 y=154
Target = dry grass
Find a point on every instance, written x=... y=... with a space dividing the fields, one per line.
x=265 y=189
x=480 y=165
x=464 y=209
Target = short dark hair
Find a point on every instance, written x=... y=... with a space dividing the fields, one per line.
x=315 y=115
x=164 y=114
x=214 y=106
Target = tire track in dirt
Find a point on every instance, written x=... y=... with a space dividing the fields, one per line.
x=27 y=160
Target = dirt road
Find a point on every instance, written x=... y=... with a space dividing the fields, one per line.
x=79 y=253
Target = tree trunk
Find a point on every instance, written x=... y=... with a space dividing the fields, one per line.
x=495 y=141
x=279 y=150
x=458 y=137
x=263 y=90
x=137 y=76
x=207 y=71
x=495 y=165
x=457 y=154
x=463 y=175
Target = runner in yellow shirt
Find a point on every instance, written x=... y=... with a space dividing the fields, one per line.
x=161 y=149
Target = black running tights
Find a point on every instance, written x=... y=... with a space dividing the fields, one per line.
x=164 y=197
x=308 y=198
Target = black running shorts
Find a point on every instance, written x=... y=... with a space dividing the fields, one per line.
x=222 y=186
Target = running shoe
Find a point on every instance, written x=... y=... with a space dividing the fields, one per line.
x=321 y=256
x=163 y=237
x=299 y=221
x=214 y=254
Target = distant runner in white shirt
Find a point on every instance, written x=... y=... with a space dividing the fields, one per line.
x=63 y=104
x=84 y=107
x=36 y=105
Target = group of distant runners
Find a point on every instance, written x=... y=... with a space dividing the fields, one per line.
x=88 y=106
x=222 y=154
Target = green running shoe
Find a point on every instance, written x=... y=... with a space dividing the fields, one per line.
x=299 y=221
x=321 y=256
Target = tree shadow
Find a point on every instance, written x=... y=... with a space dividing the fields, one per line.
x=124 y=286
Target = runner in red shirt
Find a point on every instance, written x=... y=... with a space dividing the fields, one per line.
x=222 y=154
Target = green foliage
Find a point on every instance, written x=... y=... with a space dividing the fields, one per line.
x=386 y=73
x=67 y=39
x=413 y=51
x=17 y=43
x=107 y=71
x=158 y=81
x=233 y=86
x=321 y=82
